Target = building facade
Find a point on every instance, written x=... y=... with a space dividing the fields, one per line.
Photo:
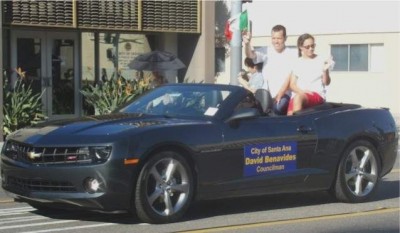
x=63 y=45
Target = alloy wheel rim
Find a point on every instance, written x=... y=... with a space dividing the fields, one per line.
x=361 y=171
x=167 y=187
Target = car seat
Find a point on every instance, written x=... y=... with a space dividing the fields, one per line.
x=265 y=100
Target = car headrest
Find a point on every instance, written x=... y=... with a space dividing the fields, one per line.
x=264 y=98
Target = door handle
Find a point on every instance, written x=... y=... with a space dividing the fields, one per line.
x=304 y=129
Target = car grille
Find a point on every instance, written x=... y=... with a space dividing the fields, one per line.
x=46 y=155
x=39 y=185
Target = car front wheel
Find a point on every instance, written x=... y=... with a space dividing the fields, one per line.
x=358 y=173
x=164 y=189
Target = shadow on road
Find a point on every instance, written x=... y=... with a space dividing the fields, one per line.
x=382 y=192
x=203 y=209
x=388 y=189
x=85 y=215
x=212 y=208
x=207 y=209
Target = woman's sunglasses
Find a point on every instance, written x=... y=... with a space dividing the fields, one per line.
x=309 y=46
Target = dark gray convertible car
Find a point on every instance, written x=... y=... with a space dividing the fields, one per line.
x=185 y=142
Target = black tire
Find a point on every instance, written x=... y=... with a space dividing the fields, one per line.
x=164 y=189
x=358 y=173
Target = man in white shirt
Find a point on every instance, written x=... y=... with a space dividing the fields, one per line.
x=277 y=67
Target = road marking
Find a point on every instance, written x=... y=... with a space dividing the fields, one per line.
x=36 y=224
x=292 y=221
x=5 y=221
x=15 y=211
x=71 y=228
x=24 y=210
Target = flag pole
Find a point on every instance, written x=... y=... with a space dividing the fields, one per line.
x=236 y=45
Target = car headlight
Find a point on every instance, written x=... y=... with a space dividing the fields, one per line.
x=99 y=153
x=10 y=149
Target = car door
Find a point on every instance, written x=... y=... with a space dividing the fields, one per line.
x=263 y=154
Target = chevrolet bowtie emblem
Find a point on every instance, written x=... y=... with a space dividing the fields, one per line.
x=32 y=155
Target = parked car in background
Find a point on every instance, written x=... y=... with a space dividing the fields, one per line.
x=185 y=142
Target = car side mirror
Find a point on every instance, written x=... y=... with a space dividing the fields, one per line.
x=243 y=113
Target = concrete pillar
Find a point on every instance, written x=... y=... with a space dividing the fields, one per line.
x=208 y=40
x=201 y=66
x=170 y=44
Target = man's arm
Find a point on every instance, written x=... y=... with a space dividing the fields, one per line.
x=246 y=37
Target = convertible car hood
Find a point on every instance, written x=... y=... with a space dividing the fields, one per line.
x=93 y=125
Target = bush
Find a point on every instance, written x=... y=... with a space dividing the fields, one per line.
x=108 y=96
x=21 y=107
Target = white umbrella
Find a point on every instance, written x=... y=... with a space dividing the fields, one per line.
x=156 y=61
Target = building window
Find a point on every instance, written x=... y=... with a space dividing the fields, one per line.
x=358 y=57
x=115 y=52
x=377 y=58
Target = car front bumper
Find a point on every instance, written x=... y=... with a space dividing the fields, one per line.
x=67 y=185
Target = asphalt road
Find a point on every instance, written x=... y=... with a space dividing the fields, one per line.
x=303 y=212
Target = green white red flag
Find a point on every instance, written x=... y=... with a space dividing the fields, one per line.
x=239 y=22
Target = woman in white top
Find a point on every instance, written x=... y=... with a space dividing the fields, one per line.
x=309 y=77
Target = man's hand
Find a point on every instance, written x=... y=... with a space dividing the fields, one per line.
x=246 y=37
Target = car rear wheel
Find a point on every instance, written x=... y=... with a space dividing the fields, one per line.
x=358 y=174
x=164 y=189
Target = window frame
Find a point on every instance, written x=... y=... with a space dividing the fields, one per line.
x=369 y=60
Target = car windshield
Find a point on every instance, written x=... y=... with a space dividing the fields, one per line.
x=180 y=100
